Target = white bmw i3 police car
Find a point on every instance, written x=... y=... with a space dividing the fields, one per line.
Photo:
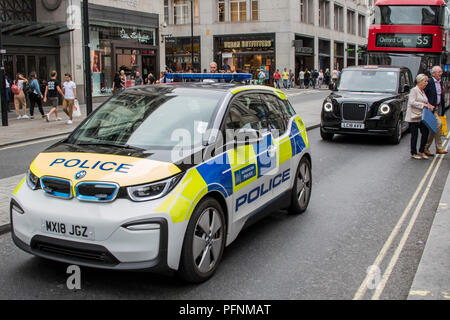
x=163 y=178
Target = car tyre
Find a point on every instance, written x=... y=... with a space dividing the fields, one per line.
x=301 y=192
x=204 y=242
x=397 y=134
x=326 y=135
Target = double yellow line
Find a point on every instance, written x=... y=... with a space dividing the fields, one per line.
x=372 y=273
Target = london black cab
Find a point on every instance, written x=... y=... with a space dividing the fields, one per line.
x=368 y=100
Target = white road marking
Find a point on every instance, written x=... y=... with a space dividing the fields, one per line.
x=388 y=244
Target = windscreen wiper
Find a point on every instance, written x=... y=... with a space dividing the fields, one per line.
x=123 y=146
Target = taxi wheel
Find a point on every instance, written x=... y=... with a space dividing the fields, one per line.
x=325 y=135
x=301 y=192
x=397 y=135
x=204 y=242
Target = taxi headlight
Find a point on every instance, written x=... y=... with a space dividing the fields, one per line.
x=152 y=191
x=328 y=107
x=384 y=109
x=32 y=180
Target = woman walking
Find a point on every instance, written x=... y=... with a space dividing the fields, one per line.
x=19 y=96
x=417 y=101
x=35 y=95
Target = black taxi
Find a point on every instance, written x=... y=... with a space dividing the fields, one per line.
x=368 y=100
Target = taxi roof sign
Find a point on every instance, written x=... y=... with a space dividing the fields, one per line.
x=370 y=67
x=202 y=76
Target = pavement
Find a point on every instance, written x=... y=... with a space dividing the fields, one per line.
x=431 y=281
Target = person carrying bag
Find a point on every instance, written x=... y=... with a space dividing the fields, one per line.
x=417 y=102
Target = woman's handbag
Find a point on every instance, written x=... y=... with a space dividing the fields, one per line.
x=429 y=119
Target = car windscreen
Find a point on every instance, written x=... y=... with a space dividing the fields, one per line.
x=176 y=118
x=368 y=81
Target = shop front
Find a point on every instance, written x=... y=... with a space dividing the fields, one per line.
x=304 y=53
x=121 y=40
x=324 y=54
x=351 y=55
x=246 y=53
x=179 y=56
x=338 y=55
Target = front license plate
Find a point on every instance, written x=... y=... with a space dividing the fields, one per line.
x=352 y=125
x=68 y=230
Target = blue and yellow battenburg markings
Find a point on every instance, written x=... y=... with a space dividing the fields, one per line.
x=233 y=170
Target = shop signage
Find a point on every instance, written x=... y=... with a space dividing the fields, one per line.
x=305 y=50
x=247 y=44
x=405 y=40
x=143 y=38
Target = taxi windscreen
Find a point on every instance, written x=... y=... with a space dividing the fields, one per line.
x=368 y=81
x=177 y=118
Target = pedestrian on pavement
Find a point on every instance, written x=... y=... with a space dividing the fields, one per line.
x=138 y=80
x=19 y=96
x=291 y=79
x=277 y=77
x=70 y=95
x=35 y=95
x=261 y=76
x=436 y=96
x=8 y=91
x=307 y=78
x=320 y=78
x=334 y=78
x=417 y=101
x=118 y=84
x=151 y=78
x=315 y=76
x=327 y=77
x=285 y=77
x=52 y=91
x=301 y=77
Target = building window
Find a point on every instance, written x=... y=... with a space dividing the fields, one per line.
x=221 y=10
x=338 y=18
x=324 y=13
x=351 y=22
x=11 y=10
x=238 y=10
x=307 y=11
x=166 y=11
x=181 y=11
x=255 y=10
x=361 y=25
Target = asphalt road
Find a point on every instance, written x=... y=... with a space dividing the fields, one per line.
x=361 y=187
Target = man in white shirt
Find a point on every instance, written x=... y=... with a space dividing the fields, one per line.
x=70 y=95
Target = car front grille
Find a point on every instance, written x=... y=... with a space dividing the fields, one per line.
x=72 y=251
x=57 y=187
x=354 y=111
x=96 y=191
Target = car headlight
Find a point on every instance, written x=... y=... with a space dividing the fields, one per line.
x=384 y=109
x=32 y=180
x=152 y=191
x=328 y=107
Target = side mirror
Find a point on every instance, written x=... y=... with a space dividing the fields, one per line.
x=406 y=88
x=246 y=136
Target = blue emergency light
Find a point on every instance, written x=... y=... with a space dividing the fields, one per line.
x=202 y=76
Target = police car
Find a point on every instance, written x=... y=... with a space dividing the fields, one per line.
x=162 y=178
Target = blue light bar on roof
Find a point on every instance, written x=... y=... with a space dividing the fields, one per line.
x=201 y=76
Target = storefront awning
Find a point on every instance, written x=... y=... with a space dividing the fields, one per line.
x=34 y=29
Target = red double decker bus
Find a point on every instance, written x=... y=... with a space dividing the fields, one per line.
x=410 y=33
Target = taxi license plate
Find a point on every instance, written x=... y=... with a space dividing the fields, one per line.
x=352 y=125
x=68 y=230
